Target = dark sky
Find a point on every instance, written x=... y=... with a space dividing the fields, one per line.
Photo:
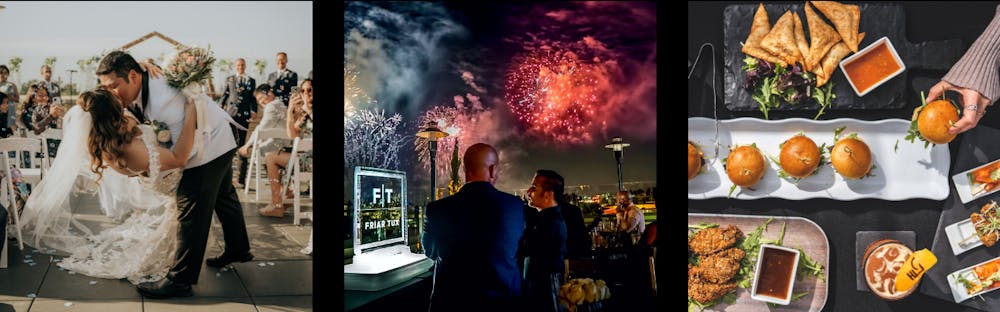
x=411 y=56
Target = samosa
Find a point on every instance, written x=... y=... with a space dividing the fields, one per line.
x=831 y=61
x=800 y=40
x=822 y=35
x=781 y=40
x=761 y=27
x=845 y=18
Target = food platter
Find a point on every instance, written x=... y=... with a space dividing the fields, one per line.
x=903 y=170
x=964 y=185
x=877 y=20
x=961 y=293
x=799 y=233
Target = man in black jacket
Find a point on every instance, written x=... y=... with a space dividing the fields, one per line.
x=544 y=244
x=473 y=237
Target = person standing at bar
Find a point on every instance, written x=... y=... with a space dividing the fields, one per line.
x=472 y=237
x=544 y=244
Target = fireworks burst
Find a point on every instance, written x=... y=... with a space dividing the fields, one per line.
x=372 y=140
x=354 y=96
x=468 y=126
x=558 y=96
x=448 y=120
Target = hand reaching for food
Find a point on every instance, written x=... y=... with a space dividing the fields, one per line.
x=973 y=105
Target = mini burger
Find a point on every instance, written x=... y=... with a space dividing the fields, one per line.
x=694 y=160
x=851 y=157
x=745 y=165
x=935 y=118
x=799 y=156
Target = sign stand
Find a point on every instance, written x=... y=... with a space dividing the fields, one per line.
x=381 y=257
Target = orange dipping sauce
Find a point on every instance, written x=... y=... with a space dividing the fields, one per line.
x=868 y=69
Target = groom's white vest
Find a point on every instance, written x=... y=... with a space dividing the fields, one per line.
x=166 y=104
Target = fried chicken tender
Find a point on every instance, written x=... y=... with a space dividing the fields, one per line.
x=719 y=267
x=704 y=292
x=989 y=237
x=712 y=240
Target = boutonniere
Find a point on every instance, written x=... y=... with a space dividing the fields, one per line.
x=162 y=132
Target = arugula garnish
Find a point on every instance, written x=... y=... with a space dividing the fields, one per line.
x=823 y=97
x=836 y=134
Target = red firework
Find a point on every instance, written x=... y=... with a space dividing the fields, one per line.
x=557 y=96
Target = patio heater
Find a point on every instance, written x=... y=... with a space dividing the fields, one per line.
x=432 y=133
x=618 y=146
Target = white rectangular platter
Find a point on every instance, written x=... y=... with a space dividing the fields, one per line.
x=959 y=292
x=962 y=231
x=903 y=171
x=963 y=185
x=799 y=233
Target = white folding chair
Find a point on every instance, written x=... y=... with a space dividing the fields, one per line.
x=51 y=133
x=30 y=175
x=298 y=175
x=257 y=159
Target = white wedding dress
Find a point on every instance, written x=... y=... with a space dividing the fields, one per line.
x=119 y=227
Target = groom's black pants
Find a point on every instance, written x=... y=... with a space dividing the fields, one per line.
x=202 y=190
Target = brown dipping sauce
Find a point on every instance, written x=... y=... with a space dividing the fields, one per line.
x=868 y=69
x=775 y=273
x=883 y=260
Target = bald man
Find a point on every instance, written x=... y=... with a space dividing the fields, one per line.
x=630 y=218
x=472 y=237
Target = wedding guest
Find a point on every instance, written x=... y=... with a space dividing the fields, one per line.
x=5 y=131
x=630 y=218
x=544 y=244
x=283 y=79
x=14 y=97
x=299 y=125
x=27 y=109
x=473 y=237
x=55 y=93
x=47 y=115
x=274 y=117
x=239 y=102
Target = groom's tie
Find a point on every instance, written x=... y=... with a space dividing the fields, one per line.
x=145 y=99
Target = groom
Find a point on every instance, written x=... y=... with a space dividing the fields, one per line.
x=206 y=185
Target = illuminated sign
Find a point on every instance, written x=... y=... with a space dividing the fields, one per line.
x=379 y=208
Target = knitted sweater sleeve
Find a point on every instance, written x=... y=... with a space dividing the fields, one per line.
x=978 y=68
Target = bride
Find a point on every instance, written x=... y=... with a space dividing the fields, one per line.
x=134 y=233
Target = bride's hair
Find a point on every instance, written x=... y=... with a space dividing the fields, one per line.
x=111 y=131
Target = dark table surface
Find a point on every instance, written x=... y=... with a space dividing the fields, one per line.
x=841 y=220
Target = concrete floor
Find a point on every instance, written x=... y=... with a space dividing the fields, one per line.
x=279 y=279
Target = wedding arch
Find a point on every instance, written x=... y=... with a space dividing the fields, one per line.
x=175 y=43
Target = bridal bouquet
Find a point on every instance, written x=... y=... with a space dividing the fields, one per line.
x=189 y=66
x=185 y=72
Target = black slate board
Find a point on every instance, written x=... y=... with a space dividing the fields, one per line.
x=877 y=21
x=865 y=238
x=978 y=147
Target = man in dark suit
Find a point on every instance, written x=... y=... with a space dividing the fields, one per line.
x=472 y=237
x=55 y=93
x=239 y=102
x=282 y=80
